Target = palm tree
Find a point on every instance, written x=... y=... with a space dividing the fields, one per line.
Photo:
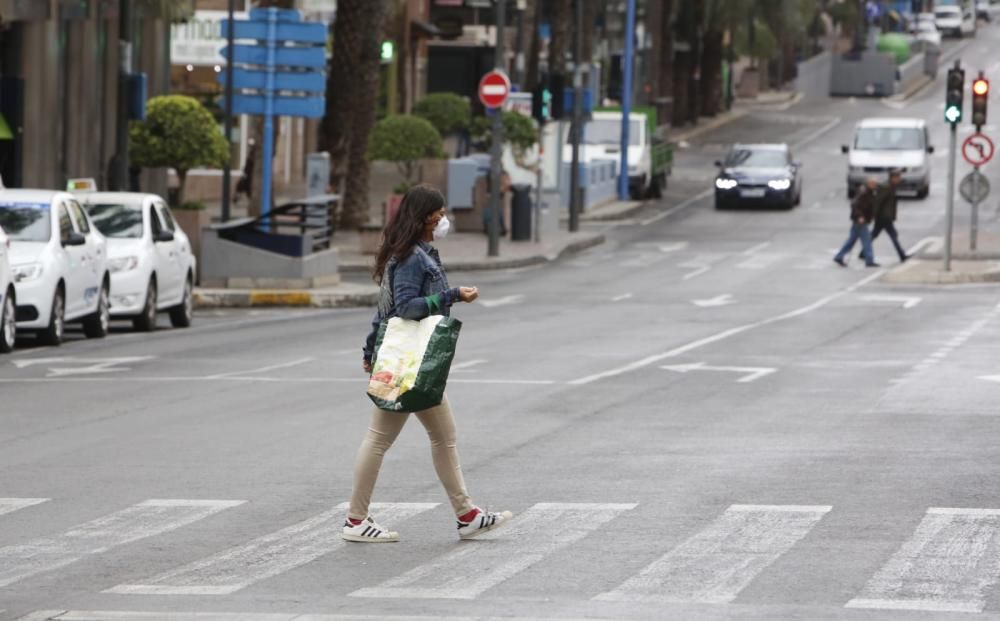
x=173 y=10
x=561 y=18
x=660 y=16
x=722 y=17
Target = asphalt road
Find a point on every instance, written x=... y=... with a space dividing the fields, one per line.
x=703 y=418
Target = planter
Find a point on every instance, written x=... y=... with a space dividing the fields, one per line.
x=370 y=235
x=192 y=221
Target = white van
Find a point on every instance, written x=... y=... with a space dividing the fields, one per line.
x=956 y=21
x=881 y=145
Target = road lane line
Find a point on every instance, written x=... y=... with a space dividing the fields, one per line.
x=948 y=564
x=622 y=297
x=10 y=505
x=475 y=567
x=141 y=615
x=273 y=367
x=716 y=564
x=725 y=334
x=755 y=249
x=819 y=132
x=761 y=261
x=265 y=557
x=504 y=301
x=462 y=366
x=146 y=519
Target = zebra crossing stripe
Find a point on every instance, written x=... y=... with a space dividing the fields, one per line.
x=473 y=568
x=10 y=505
x=948 y=565
x=267 y=556
x=714 y=565
x=146 y=519
x=136 y=615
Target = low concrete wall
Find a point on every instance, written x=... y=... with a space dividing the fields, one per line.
x=871 y=74
x=813 y=79
x=227 y=264
x=910 y=72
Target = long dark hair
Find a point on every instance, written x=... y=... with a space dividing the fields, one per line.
x=403 y=232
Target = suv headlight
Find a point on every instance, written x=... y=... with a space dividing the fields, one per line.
x=726 y=184
x=123 y=264
x=779 y=184
x=26 y=271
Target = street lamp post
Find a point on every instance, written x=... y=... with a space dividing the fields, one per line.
x=226 y=170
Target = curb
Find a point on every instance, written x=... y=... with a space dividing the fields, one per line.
x=717 y=122
x=624 y=214
x=219 y=298
x=904 y=275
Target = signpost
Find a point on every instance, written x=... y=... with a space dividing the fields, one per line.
x=288 y=56
x=977 y=149
x=493 y=91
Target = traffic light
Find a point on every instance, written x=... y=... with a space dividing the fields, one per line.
x=388 y=50
x=980 y=97
x=541 y=103
x=557 y=84
x=954 y=95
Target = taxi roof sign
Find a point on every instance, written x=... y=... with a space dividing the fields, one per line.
x=83 y=184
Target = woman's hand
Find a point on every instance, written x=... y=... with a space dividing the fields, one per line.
x=468 y=294
x=367 y=366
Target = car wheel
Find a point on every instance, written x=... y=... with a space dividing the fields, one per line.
x=53 y=334
x=798 y=199
x=146 y=322
x=182 y=315
x=96 y=325
x=924 y=192
x=8 y=323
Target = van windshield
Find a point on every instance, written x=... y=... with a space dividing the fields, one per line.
x=608 y=131
x=25 y=221
x=889 y=139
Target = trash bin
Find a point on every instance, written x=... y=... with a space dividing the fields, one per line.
x=520 y=212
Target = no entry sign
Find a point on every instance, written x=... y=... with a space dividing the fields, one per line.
x=494 y=89
x=977 y=149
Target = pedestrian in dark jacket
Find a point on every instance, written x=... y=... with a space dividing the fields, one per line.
x=862 y=213
x=885 y=212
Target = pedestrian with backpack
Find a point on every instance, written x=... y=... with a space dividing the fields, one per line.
x=413 y=286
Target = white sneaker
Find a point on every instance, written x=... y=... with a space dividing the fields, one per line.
x=483 y=523
x=368 y=532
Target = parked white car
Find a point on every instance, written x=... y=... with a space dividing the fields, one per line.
x=59 y=264
x=8 y=300
x=928 y=33
x=955 y=21
x=150 y=259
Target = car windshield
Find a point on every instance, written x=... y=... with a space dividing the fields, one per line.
x=757 y=158
x=116 y=220
x=26 y=221
x=947 y=12
x=889 y=139
x=608 y=131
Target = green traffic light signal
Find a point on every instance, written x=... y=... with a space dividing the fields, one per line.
x=388 y=50
x=954 y=95
x=953 y=114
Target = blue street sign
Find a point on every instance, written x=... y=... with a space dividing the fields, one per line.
x=311 y=57
x=256 y=79
x=300 y=32
x=310 y=107
x=277 y=68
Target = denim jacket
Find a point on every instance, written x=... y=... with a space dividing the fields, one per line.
x=413 y=288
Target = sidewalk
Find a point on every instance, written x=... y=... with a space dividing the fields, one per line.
x=927 y=267
x=459 y=252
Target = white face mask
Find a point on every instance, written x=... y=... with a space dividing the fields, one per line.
x=442 y=228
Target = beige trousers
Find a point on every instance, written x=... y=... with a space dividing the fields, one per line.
x=385 y=427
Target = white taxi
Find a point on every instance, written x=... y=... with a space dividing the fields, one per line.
x=8 y=308
x=59 y=264
x=149 y=256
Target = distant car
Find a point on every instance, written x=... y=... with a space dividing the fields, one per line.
x=984 y=11
x=952 y=21
x=758 y=174
x=928 y=33
x=882 y=144
x=150 y=259
x=59 y=263
x=8 y=300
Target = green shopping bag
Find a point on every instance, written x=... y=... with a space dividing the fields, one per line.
x=411 y=362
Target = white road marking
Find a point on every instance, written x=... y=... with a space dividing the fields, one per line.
x=949 y=564
x=672 y=247
x=90 y=365
x=699 y=269
x=10 y=505
x=725 y=334
x=622 y=297
x=819 y=132
x=716 y=564
x=749 y=373
x=146 y=519
x=139 y=615
x=504 y=301
x=957 y=341
x=360 y=379
x=476 y=567
x=990 y=378
x=908 y=301
x=755 y=249
x=273 y=367
x=237 y=568
x=719 y=300
x=468 y=364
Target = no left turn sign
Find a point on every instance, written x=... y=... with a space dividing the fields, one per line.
x=977 y=149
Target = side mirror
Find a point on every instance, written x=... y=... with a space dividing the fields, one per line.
x=718 y=163
x=930 y=148
x=164 y=236
x=74 y=239
x=845 y=149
